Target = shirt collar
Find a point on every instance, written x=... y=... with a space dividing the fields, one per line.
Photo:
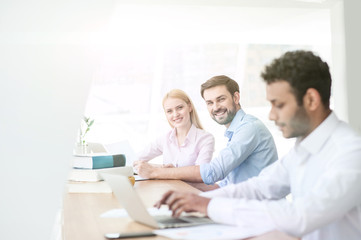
x=191 y=136
x=234 y=124
x=318 y=137
x=172 y=135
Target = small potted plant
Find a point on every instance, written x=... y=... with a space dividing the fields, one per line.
x=85 y=125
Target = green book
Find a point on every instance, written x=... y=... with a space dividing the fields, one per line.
x=99 y=161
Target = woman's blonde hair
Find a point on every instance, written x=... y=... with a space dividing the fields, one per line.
x=177 y=93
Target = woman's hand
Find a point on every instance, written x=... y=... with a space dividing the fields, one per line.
x=146 y=170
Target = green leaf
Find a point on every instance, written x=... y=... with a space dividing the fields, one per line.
x=91 y=122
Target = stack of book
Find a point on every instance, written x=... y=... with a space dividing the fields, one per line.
x=85 y=173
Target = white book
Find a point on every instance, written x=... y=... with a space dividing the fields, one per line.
x=84 y=175
x=92 y=175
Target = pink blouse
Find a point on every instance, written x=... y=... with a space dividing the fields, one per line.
x=197 y=148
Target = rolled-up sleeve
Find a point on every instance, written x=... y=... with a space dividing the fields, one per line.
x=245 y=214
x=237 y=151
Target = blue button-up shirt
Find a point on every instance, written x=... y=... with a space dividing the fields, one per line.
x=250 y=148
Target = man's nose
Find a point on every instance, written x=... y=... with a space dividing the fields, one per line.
x=216 y=106
x=272 y=114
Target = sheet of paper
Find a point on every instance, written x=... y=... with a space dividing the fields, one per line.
x=206 y=232
x=139 y=178
x=120 y=212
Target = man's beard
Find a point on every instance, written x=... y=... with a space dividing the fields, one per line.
x=299 y=124
x=229 y=118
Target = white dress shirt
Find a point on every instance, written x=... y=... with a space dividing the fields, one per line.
x=323 y=174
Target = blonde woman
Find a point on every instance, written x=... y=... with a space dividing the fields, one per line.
x=186 y=144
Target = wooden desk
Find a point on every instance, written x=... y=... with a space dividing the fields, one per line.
x=81 y=214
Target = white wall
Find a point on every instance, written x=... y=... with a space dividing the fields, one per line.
x=346 y=51
x=45 y=69
x=353 y=54
x=338 y=71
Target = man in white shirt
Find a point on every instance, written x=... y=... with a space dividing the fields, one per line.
x=322 y=172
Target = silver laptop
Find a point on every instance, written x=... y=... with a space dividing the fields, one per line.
x=122 y=147
x=135 y=208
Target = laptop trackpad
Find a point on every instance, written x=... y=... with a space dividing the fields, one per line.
x=169 y=220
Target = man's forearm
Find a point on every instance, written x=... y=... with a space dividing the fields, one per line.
x=189 y=173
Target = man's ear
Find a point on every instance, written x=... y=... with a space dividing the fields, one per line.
x=236 y=97
x=312 y=99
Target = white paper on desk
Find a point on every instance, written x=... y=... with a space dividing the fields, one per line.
x=206 y=232
x=120 y=212
x=139 y=178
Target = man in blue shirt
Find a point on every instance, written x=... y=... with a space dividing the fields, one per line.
x=250 y=146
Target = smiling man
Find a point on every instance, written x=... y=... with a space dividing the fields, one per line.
x=250 y=146
x=322 y=171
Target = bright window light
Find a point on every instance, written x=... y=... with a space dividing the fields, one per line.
x=147 y=50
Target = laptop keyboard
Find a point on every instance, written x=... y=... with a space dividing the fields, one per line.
x=172 y=220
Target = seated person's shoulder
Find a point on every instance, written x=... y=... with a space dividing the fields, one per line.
x=344 y=131
x=345 y=138
x=251 y=123
x=204 y=135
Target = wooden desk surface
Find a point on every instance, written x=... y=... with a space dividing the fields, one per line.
x=81 y=212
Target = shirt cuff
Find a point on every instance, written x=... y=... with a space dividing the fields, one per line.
x=219 y=192
x=246 y=214
x=220 y=212
x=223 y=183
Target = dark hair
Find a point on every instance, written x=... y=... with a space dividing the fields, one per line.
x=302 y=70
x=231 y=85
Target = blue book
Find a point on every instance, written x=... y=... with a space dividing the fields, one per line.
x=99 y=161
